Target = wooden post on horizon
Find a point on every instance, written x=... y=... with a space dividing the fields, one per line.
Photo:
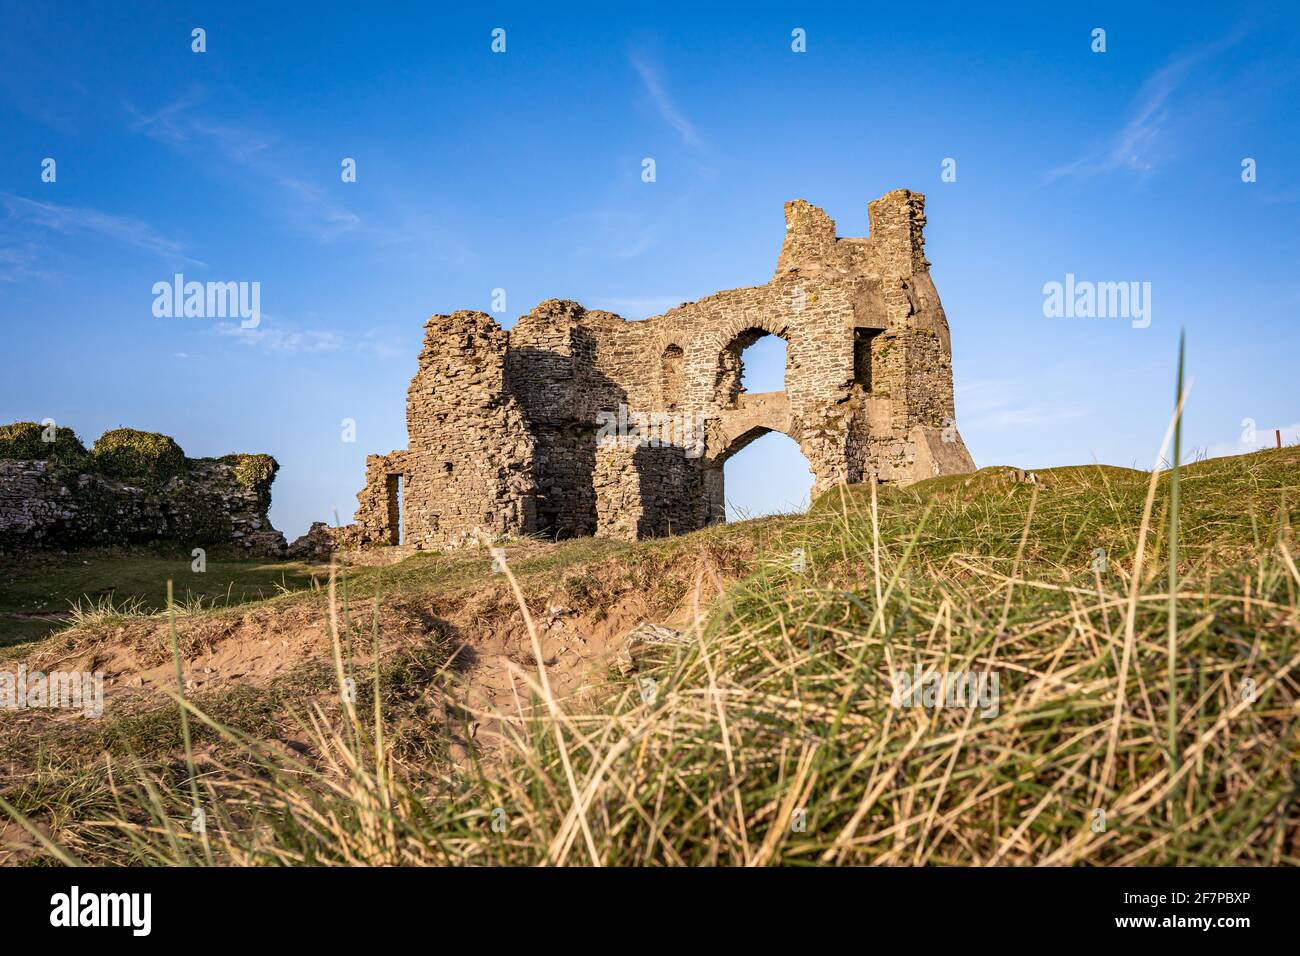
x=1277 y=433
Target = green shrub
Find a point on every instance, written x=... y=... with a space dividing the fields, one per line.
x=25 y=441
x=131 y=455
x=254 y=472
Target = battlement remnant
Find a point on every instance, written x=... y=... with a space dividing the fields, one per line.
x=509 y=433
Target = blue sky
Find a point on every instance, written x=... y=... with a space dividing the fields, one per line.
x=522 y=171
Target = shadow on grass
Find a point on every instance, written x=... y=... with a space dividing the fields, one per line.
x=38 y=590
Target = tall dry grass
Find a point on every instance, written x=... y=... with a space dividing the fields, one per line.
x=1143 y=629
x=769 y=736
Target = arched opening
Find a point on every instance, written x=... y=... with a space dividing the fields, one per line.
x=672 y=378
x=767 y=475
x=754 y=362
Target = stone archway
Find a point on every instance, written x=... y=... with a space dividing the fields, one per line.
x=764 y=472
x=733 y=431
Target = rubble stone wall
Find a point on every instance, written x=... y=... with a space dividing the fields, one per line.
x=207 y=502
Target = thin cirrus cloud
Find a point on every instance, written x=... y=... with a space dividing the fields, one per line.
x=995 y=405
x=271 y=336
x=612 y=233
x=652 y=82
x=313 y=213
x=73 y=220
x=303 y=206
x=274 y=335
x=22 y=260
x=176 y=125
x=1143 y=139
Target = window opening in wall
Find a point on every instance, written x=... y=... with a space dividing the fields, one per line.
x=673 y=377
x=762 y=365
x=862 y=345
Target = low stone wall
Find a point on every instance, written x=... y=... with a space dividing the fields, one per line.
x=68 y=501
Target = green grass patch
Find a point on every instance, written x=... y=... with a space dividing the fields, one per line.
x=37 y=591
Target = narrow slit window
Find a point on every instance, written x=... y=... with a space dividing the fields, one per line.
x=862 y=347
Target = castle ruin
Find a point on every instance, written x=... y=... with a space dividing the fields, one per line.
x=579 y=422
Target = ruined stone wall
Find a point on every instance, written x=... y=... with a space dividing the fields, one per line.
x=553 y=372
x=207 y=502
x=467 y=473
x=378 y=515
x=646 y=492
x=504 y=426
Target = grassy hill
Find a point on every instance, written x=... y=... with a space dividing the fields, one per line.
x=1130 y=725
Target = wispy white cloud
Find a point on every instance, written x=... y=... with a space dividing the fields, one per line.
x=298 y=202
x=613 y=233
x=305 y=207
x=607 y=233
x=176 y=125
x=630 y=250
x=235 y=142
x=995 y=405
x=653 y=83
x=316 y=214
x=168 y=124
x=122 y=230
x=273 y=336
x=276 y=335
x=1142 y=141
x=21 y=260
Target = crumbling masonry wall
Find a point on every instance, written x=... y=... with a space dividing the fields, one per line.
x=59 y=495
x=510 y=432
